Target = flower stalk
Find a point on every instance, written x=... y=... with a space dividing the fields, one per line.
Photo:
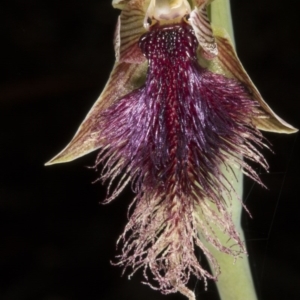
x=235 y=281
x=176 y=118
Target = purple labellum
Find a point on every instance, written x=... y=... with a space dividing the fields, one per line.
x=172 y=134
x=170 y=137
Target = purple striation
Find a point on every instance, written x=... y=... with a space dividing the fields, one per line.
x=170 y=137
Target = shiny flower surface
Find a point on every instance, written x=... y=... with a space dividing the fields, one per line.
x=177 y=107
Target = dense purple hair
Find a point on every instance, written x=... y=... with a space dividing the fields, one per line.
x=170 y=138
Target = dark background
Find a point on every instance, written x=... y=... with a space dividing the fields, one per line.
x=56 y=241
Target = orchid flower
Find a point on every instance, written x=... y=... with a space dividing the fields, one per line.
x=180 y=119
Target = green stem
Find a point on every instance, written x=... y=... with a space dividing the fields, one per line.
x=235 y=281
x=220 y=16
